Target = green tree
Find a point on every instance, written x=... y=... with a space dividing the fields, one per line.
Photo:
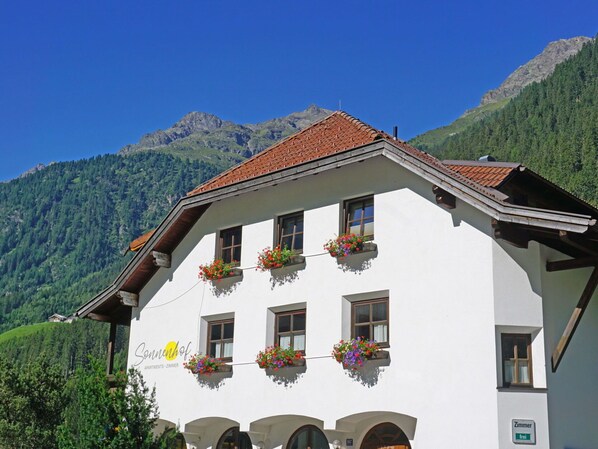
x=31 y=403
x=118 y=416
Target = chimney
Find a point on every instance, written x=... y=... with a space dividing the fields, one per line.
x=395 y=132
x=487 y=158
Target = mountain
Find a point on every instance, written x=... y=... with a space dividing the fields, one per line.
x=208 y=138
x=551 y=126
x=63 y=227
x=535 y=70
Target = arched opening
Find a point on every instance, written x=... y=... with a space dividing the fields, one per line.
x=174 y=439
x=233 y=439
x=308 y=437
x=385 y=436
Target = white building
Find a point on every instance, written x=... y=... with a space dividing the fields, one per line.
x=478 y=282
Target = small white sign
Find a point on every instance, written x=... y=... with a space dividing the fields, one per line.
x=524 y=431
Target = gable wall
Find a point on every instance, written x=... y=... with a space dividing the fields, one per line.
x=435 y=265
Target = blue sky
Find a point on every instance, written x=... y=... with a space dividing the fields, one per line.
x=79 y=79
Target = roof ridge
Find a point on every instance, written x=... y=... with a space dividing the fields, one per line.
x=467 y=163
x=373 y=133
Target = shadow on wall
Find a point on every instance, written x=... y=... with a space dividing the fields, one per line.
x=286 y=376
x=369 y=374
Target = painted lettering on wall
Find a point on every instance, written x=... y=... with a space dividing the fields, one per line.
x=169 y=353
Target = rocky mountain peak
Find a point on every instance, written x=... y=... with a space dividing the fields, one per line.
x=536 y=69
x=198 y=121
x=200 y=130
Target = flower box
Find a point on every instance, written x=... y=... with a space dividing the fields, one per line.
x=352 y=354
x=205 y=365
x=380 y=354
x=276 y=357
x=294 y=260
x=272 y=259
x=219 y=270
x=348 y=244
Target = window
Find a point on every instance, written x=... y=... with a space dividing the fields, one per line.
x=385 y=435
x=290 y=232
x=359 y=217
x=290 y=330
x=308 y=437
x=516 y=359
x=233 y=439
x=370 y=320
x=220 y=339
x=230 y=245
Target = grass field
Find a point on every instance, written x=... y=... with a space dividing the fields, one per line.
x=24 y=331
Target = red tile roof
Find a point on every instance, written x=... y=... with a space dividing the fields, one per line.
x=333 y=134
x=140 y=241
x=488 y=174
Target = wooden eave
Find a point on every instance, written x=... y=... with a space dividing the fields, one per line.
x=142 y=267
x=544 y=193
x=189 y=209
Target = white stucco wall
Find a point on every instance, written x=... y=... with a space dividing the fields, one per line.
x=447 y=304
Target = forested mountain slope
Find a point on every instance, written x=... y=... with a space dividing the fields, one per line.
x=63 y=229
x=535 y=70
x=552 y=127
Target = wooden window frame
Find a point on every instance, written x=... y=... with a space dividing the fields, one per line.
x=346 y=221
x=371 y=323
x=279 y=231
x=292 y=332
x=222 y=339
x=516 y=359
x=221 y=250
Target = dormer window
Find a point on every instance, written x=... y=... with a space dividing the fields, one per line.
x=359 y=217
x=230 y=245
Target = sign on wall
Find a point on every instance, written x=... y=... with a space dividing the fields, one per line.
x=524 y=431
x=169 y=356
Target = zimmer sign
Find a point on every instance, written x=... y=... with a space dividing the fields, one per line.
x=167 y=356
x=524 y=431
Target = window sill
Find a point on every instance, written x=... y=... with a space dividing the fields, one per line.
x=521 y=389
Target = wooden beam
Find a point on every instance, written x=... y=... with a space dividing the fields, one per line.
x=111 y=348
x=100 y=317
x=443 y=198
x=128 y=299
x=570 y=264
x=510 y=233
x=575 y=242
x=108 y=319
x=161 y=259
x=561 y=347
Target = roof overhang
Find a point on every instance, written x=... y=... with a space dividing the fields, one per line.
x=107 y=305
